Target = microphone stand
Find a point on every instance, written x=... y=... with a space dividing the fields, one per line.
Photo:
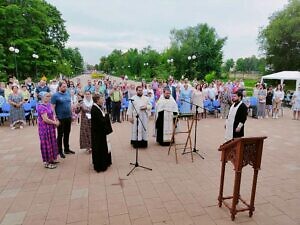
x=136 y=164
x=195 y=133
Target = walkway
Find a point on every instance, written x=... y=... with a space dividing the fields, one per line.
x=184 y=193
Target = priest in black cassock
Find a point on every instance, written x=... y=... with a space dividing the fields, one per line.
x=101 y=156
x=237 y=117
x=166 y=108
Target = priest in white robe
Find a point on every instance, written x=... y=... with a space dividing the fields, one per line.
x=237 y=117
x=166 y=108
x=143 y=107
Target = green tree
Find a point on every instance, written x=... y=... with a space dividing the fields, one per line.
x=251 y=64
x=74 y=59
x=33 y=27
x=240 y=65
x=280 y=39
x=203 y=42
x=228 y=65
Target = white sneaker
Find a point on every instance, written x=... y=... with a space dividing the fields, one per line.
x=277 y=117
x=13 y=128
x=21 y=127
x=266 y=117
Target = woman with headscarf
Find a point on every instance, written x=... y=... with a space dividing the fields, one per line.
x=84 y=107
x=47 y=124
x=17 y=114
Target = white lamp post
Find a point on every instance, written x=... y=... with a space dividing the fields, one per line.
x=35 y=56
x=170 y=61
x=193 y=57
x=15 y=51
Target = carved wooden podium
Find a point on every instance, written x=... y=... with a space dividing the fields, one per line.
x=241 y=152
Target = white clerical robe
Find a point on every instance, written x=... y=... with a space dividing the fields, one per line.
x=230 y=121
x=168 y=107
x=139 y=102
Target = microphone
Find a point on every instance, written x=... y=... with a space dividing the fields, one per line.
x=131 y=100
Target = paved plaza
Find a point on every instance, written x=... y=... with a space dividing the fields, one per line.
x=183 y=193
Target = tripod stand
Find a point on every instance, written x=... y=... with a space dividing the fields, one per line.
x=195 y=133
x=136 y=164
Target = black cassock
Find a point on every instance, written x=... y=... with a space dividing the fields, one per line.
x=159 y=125
x=101 y=156
x=240 y=117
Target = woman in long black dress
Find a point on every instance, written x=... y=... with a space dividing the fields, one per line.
x=101 y=156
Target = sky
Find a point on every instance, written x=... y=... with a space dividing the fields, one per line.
x=97 y=27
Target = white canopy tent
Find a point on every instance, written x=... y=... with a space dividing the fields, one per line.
x=282 y=76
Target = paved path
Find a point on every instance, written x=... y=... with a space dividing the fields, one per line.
x=184 y=193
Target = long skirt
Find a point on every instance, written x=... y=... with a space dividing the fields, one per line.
x=48 y=142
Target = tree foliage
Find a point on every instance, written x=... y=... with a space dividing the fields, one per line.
x=201 y=41
x=251 y=64
x=228 y=65
x=33 y=27
x=280 y=39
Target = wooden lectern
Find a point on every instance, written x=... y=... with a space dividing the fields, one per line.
x=241 y=152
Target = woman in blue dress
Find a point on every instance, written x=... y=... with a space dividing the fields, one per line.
x=185 y=98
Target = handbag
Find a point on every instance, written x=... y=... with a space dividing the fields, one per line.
x=107 y=126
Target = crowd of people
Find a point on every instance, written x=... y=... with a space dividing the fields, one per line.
x=63 y=102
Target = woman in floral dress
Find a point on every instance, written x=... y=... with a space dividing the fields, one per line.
x=17 y=114
x=47 y=124
x=85 y=126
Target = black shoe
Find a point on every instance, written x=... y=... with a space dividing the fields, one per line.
x=69 y=152
x=62 y=155
x=119 y=122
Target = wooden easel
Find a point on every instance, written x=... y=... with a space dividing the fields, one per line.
x=241 y=152
x=188 y=143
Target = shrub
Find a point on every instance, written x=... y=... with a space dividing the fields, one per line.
x=210 y=77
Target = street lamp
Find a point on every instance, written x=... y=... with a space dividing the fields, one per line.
x=170 y=60
x=15 y=51
x=193 y=57
x=35 y=56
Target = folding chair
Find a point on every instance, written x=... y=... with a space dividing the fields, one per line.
x=5 y=110
x=208 y=107
x=28 y=111
x=34 y=115
x=253 y=105
x=217 y=107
